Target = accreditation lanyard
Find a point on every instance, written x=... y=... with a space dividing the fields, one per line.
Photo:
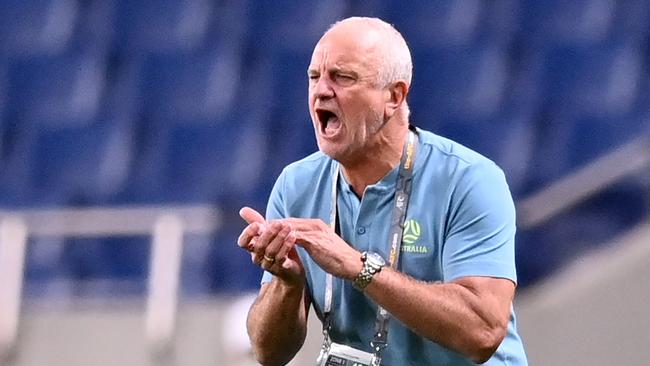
x=402 y=195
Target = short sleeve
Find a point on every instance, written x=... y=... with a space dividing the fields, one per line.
x=275 y=209
x=481 y=226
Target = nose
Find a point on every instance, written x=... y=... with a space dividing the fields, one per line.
x=321 y=89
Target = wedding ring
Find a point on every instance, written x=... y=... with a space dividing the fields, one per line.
x=269 y=259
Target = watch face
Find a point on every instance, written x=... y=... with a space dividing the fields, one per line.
x=376 y=259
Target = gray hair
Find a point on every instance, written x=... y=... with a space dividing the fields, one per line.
x=396 y=63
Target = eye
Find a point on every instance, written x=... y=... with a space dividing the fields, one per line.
x=345 y=79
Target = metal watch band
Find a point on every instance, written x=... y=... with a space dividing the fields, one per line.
x=371 y=267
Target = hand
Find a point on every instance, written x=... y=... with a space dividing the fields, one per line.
x=326 y=248
x=272 y=246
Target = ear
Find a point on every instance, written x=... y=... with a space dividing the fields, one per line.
x=395 y=96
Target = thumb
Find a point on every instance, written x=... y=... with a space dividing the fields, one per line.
x=251 y=215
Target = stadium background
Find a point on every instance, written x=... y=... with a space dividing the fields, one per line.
x=131 y=125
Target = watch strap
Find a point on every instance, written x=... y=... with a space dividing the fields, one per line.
x=368 y=271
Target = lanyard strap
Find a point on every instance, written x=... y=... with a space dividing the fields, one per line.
x=402 y=195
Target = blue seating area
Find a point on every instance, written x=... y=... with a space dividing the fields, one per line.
x=196 y=101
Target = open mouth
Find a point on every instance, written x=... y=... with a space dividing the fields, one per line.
x=329 y=122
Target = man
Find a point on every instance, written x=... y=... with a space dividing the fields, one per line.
x=448 y=285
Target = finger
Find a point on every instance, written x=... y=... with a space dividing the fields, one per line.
x=251 y=215
x=291 y=263
x=268 y=233
x=247 y=235
x=304 y=224
x=268 y=265
x=307 y=240
x=260 y=260
x=302 y=238
x=256 y=259
x=278 y=242
x=289 y=244
x=263 y=260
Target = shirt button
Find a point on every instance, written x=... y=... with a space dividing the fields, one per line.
x=361 y=230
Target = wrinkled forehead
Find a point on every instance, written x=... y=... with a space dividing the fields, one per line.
x=344 y=49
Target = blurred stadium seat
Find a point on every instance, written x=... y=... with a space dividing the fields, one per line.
x=36 y=27
x=182 y=85
x=60 y=268
x=631 y=21
x=4 y=81
x=169 y=25
x=545 y=249
x=191 y=161
x=594 y=135
x=462 y=80
x=568 y=141
x=273 y=24
x=66 y=86
x=288 y=123
x=107 y=266
x=427 y=24
x=591 y=78
x=61 y=164
x=564 y=22
x=198 y=101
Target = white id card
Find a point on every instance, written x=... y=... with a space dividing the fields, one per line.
x=342 y=355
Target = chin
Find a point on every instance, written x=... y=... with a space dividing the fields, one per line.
x=336 y=151
x=330 y=149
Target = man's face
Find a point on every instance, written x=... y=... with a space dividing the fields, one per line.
x=345 y=103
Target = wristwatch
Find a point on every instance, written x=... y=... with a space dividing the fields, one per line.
x=372 y=264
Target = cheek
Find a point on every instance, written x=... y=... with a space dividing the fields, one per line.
x=310 y=102
x=353 y=108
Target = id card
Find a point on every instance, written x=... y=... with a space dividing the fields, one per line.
x=341 y=355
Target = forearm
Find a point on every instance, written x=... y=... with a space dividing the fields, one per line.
x=277 y=322
x=449 y=314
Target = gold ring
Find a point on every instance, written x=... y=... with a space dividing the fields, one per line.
x=270 y=259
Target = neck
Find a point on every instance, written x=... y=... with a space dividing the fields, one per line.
x=377 y=160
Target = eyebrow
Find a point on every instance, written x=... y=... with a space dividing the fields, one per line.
x=334 y=69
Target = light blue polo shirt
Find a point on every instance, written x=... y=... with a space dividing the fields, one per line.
x=460 y=222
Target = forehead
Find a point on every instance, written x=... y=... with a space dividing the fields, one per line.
x=345 y=49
